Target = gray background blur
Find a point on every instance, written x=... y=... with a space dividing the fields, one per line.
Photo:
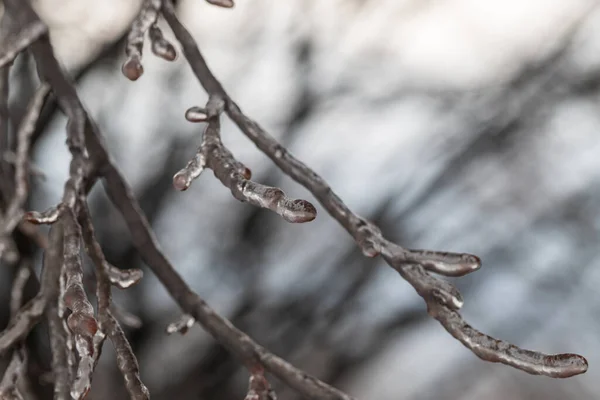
x=458 y=125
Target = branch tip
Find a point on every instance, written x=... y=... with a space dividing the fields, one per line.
x=196 y=114
x=161 y=47
x=132 y=69
x=221 y=3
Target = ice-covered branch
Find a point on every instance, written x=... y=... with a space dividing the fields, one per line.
x=413 y=265
x=232 y=173
x=126 y=360
x=62 y=273
x=14 y=210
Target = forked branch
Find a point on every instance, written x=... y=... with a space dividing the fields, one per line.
x=63 y=298
x=443 y=300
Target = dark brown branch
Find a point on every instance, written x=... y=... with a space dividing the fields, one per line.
x=30 y=314
x=14 y=211
x=18 y=365
x=15 y=43
x=16 y=293
x=414 y=266
x=234 y=175
x=20 y=326
x=132 y=68
x=126 y=360
x=220 y=328
x=58 y=334
x=15 y=370
x=161 y=46
x=81 y=321
x=442 y=298
x=5 y=187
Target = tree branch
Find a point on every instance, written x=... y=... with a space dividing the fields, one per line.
x=441 y=298
x=62 y=273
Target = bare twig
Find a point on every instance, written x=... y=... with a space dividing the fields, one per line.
x=234 y=175
x=442 y=298
x=71 y=222
x=81 y=321
x=126 y=360
x=5 y=187
x=220 y=328
x=14 y=211
x=58 y=334
x=18 y=365
x=29 y=315
x=161 y=46
x=20 y=40
x=16 y=293
x=20 y=326
x=15 y=370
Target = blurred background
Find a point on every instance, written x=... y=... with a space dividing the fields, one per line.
x=457 y=125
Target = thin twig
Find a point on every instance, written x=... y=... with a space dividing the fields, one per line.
x=58 y=334
x=220 y=328
x=126 y=360
x=14 y=211
x=5 y=187
x=30 y=314
x=21 y=40
x=17 y=368
x=132 y=67
x=90 y=160
x=234 y=175
x=442 y=298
